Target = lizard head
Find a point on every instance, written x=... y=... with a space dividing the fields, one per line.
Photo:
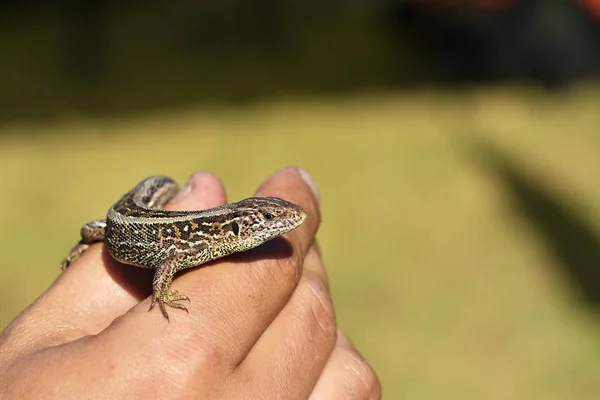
x=263 y=218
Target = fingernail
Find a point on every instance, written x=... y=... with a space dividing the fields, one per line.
x=184 y=191
x=308 y=179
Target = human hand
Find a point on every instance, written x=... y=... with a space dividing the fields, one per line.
x=261 y=324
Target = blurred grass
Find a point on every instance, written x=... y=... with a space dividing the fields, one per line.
x=441 y=282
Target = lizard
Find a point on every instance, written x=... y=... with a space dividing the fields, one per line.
x=137 y=231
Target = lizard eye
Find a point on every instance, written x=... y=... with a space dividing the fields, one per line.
x=268 y=216
x=235 y=228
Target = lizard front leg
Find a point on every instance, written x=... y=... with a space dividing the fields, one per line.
x=91 y=232
x=162 y=279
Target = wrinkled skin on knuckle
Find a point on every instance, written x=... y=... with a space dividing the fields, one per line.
x=317 y=299
x=202 y=362
x=287 y=272
x=184 y=373
x=164 y=370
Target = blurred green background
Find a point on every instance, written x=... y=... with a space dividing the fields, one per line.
x=461 y=222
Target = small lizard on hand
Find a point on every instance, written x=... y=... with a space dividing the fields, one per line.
x=138 y=232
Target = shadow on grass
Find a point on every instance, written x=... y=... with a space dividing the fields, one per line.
x=558 y=221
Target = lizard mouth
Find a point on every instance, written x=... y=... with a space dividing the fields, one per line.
x=295 y=220
x=291 y=222
x=288 y=224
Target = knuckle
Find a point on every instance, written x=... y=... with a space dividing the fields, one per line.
x=209 y=361
x=288 y=270
x=212 y=358
x=318 y=300
x=361 y=379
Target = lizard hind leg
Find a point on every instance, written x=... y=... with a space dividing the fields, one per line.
x=162 y=295
x=74 y=254
x=91 y=232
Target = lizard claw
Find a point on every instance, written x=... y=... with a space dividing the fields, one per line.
x=169 y=299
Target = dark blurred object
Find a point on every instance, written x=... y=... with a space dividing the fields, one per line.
x=554 y=42
x=62 y=57
x=84 y=38
x=592 y=6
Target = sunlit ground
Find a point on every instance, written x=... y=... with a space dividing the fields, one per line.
x=460 y=231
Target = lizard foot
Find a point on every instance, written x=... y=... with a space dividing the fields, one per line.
x=76 y=251
x=170 y=299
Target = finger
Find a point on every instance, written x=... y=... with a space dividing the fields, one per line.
x=234 y=299
x=95 y=290
x=346 y=375
x=315 y=268
x=203 y=190
x=295 y=347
